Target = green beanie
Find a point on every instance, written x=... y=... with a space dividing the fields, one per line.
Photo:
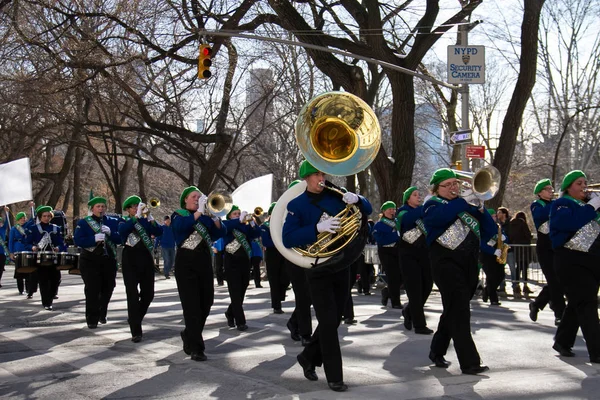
x=185 y=194
x=407 y=194
x=42 y=209
x=271 y=207
x=294 y=183
x=441 y=175
x=306 y=169
x=96 y=200
x=20 y=215
x=388 y=204
x=541 y=184
x=233 y=208
x=570 y=178
x=131 y=201
x=491 y=211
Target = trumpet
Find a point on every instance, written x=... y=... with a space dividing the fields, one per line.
x=258 y=212
x=154 y=202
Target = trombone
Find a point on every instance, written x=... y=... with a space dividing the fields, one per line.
x=479 y=186
x=153 y=202
x=218 y=204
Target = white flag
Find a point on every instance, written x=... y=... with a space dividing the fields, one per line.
x=254 y=193
x=15 y=182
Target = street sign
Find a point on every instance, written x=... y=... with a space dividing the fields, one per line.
x=475 y=151
x=466 y=64
x=461 y=137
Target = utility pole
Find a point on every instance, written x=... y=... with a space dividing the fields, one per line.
x=464 y=91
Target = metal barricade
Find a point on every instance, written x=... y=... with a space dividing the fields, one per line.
x=525 y=262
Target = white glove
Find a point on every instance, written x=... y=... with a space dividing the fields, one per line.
x=215 y=219
x=329 y=225
x=150 y=218
x=498 y=253
x=141 y=207
x=243 y=216
x=99 y=237
x=594 y=202
x=105 y=229
x=503 y=238
x=350 y=198
x=252 y=223
x=202 y=203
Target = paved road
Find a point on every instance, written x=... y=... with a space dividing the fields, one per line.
x=53 y=355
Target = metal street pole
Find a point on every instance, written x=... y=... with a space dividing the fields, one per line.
x=464 y=90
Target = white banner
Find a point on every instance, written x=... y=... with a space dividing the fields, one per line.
x=254 y=193
x=15 y=182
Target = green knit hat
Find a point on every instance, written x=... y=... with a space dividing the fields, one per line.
x=541 y=184
x=96 y=200
x=292 y=183
x=233 y=208
x=407 y=194
x=388 y=204
x=306 y=169
x=185 y=194
x=271 y=207
x=20 y=215
x=42 y=209
x=441 y=175
x=570 y=178
x=491 y=211
x=131 y=201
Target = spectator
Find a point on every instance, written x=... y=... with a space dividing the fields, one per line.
x=521 y=235
x=167 y=246
x=503 y=217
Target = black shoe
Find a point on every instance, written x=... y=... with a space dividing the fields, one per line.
x=167 y=277
x=29 y=296
x=398 y=306
x=307 y=367
x=407 y=319
x=199 y=356
x=557 y=321
x=562 y=350
x=533 y=311
x=385 y=296
x=259 y=286
x=484 y=295
x=92 y=326
x=475 y=370
x=278 y=311
x=306 y=340
x=423 y=331
x=136 y=339
x=102 y=320
x=367 y=293
x=242 y=327
x=21 y=293
x=338 y=386
x=595 y=360
x=49 y=308
x=439 y=361
x=55 y=297
x=230 y=321
x=495 y=303
x=186 y=346
x=293 y=332
x=349 y=321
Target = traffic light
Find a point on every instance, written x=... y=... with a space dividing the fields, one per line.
x=204 y=61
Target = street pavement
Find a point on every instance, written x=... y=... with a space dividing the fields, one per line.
x=53 y=355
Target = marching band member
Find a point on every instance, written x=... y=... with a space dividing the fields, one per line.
x=552 y=292
x=300 y=322
x=238 y=253
x=276 y=273
x=387 y=239
x=16 y=245
x=494 y=271
x=137 y=230
x=194 y=234
x=308 y=215
x=414 y=260
x=574 y=232
x=4 y=253
x=454 y=229
x=257 y=256
x=98 y=236
x=45 y=236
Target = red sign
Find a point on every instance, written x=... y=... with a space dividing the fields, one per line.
x=475 y=151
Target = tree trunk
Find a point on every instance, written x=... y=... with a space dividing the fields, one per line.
x=77 y=183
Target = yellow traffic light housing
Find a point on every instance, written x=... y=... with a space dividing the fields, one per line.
x=204 y=61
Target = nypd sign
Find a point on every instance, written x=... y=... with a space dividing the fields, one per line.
x=466 y=64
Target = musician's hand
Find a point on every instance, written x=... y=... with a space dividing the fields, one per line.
x=594 y=202
x=12 y=256
x=99 y=237
x=202 y=203
x=503 y=238
x=328 y=225
x=498 y=253
x=350 y=198
x=31 y=204
x=34 y=248
x=140 y=209
x=150 y=218
x=243 y=215
x=6 y=208
x=105 y=229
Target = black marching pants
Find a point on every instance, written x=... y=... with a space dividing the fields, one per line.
x=553 y=292
x=329 y=294
x=138 y=270
x=580 y=275
x=366 y=272
x=195 y=284
x=237 y=275
x=301 y=318
x=277 y=275
x=390 y=262
x=349 y=308
x=99 y=273
x=494 y=274
x=456 y=275
x=219 y=267
x=48 y=279
x=418 y=282
x=255 y=263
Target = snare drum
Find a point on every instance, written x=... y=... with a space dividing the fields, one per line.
x=66 y=261
x=46 y=258
x=25 y=262
x=371 y=254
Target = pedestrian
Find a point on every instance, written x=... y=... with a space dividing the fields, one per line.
x=387 y=239
x=167 y=247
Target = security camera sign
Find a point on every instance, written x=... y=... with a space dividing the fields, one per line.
x=466 y=64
